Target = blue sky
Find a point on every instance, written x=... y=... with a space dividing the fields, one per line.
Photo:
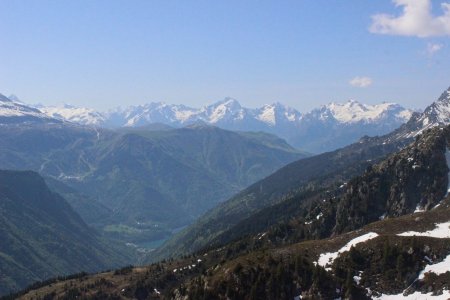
x=302 y=53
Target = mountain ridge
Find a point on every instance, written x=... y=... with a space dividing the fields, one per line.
x=322 y=129
x=347 y=121
x=143 y=183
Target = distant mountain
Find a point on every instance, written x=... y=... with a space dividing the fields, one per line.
x=41 y=236
x=15 y=112
x=336 y=125
x=141 y=115
x=139 y=184
x=70 y=113
x=355 y=112
x=323 y=129
x=228 y=114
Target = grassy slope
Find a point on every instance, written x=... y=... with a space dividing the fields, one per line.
x=43 y=237
x=220 y=264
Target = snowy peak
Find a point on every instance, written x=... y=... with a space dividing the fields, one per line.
x=439 y=111
x=226 y=110
x=267 y=114
x=154 y=112
x=228 y=103
x=16 y=112
x=354 y=112
x=79 y=115
x=274 y=113
x=227 y=113
x=437 y=114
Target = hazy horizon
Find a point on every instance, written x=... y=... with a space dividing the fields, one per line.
x=102 y=54
x=61 y=104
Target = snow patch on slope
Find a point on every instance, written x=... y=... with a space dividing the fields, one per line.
x=447 y=159
x=272 y=114
x=415 y=296
x=328 y=258
x=226 y=109
x=442 y=231
x=439 y=268
x=267 y=114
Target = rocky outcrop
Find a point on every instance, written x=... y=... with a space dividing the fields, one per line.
x=415 y=178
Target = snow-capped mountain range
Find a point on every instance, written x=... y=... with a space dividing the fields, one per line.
x=13 y=111
x=336 y=125
x=227 y=113
x=354 y=112
x=325 y=128
x=70 y=113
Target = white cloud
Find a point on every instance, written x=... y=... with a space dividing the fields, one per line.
x=361 y=82
x=416 y=19
x=432 y=48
